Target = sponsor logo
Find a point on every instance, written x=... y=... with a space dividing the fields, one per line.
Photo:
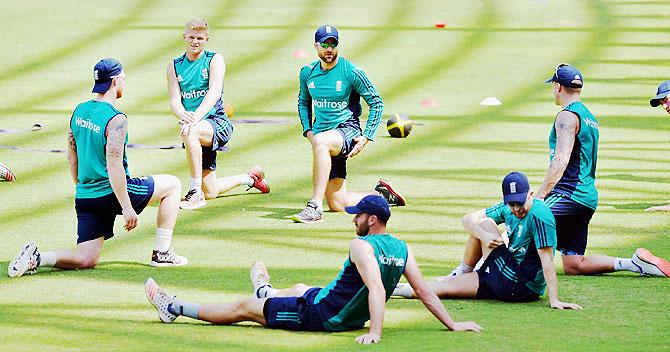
x=87 y=124
x=194 y=94
x=204 y=73
x=591 y=123
x=323 y=103
x=338 y=86
x=311 y=85
x=391 y=260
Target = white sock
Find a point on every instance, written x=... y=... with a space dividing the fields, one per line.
x=48 y=259
x=245 y=180
x=627 y=264
x=266 y=292
x=319 y=205
x=403 y=290
x=465 y=268
x=163 y=239
x=196 y=183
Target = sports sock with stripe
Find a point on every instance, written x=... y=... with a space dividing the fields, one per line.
x=266 y=292
x=185 y=308
x=621 y=264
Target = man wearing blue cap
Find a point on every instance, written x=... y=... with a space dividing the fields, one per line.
x=569 y=184
x=518 y=272
x=195 y=90
x=661 y=99
x=358 y=294
x=104 y=189
x=329 y=108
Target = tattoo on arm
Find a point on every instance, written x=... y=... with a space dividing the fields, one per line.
x=116 y=137
x=71 y=142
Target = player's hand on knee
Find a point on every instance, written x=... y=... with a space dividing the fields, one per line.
x=368 y=338
x=130 y=218
x=466 y=326
x=360 y=141
x=185 y=129
x=186 y=117
x=493 y=242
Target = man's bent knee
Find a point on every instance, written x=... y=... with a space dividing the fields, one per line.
x=572 y=264
x=336 y=203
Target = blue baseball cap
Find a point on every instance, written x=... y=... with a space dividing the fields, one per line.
x=661 y=93
x=373 y=205
x=515 y=188
x=326 y=31
x=568 y=76
x=103 y=72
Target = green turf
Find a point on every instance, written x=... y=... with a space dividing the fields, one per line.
x=451 y=164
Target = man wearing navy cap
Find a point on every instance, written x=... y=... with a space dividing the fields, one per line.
x=519 y=272
x=661 y=99
x=569 y=184
x=99 y=169
x=329 y=109
x=358 y=294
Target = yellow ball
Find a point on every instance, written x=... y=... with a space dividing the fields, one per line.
x=228 y=107
x=399 y=126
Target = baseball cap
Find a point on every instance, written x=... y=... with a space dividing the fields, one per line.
x=568 y=76
x=515 y=188
x=661 y=93
x=373 y=205
x=103 y=72
x=326 y=31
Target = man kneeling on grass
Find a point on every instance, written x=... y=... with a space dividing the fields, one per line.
x=518 y=273
x=359 y=293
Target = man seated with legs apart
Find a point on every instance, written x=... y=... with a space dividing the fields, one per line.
x=359 y=293
x=332 y=88
x=518 y=273
x=104 y=189
x=195 y=89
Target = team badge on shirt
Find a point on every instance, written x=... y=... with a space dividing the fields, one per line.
x=204 y=73
x=311 y=85
x=338 y=86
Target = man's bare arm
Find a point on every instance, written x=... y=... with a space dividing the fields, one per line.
x=72 y=160
x=117 y=129
x=217 y=71
x=363 y=256
x=547 y=260
x=567 y=127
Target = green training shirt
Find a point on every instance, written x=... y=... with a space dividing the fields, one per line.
x=345 y=300
x=193 y=79
x=578 y=181
x=89 y=125
x=535 y=230
x=334 y=97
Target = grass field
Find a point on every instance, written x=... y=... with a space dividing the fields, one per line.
x=451 y=164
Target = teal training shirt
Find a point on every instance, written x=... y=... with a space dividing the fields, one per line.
x=536 y=230
x=89 y=125
x=193 y=79
x=345 y=300
x=335 y=97
x=579 y=178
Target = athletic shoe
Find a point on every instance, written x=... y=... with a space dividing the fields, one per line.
x=386 y=190
x=194 y=199
x=167 y=258
x=309 y=215
x=259 y=277
x=26 y=261
x=160 y=300
x=651 y=264
x=260 y=183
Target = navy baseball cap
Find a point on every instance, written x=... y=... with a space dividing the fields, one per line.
x=373 y=205
x=326 y=31
x=661 y=93
x=568 y=76
x=515 y=188
x=103 y=72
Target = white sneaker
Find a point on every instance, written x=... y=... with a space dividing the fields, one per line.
x=160 y=300
x=651 y=264
x=259 y=277
x=25 y=261
x=194 y=199
x=167 y=258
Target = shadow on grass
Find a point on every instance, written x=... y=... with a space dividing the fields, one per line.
x=275 y=212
